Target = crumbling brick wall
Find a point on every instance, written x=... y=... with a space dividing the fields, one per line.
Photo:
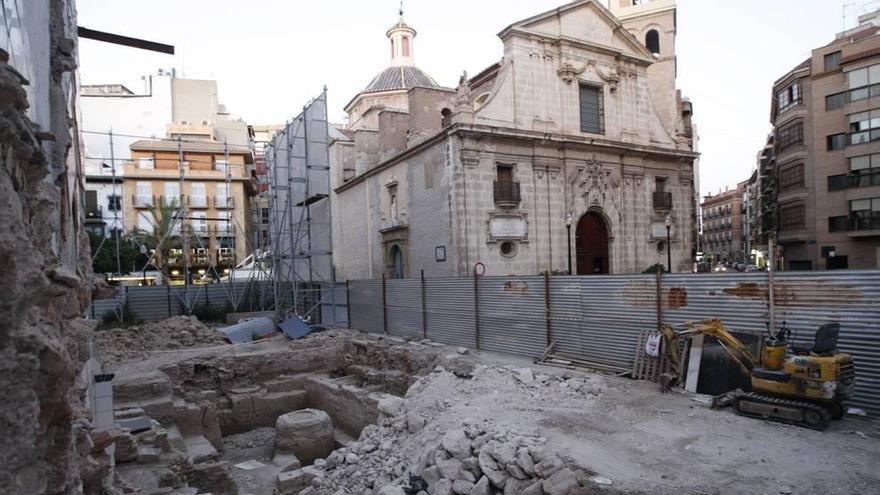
x=45 y=262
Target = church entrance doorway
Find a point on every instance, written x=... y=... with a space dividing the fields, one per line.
x=591 y=245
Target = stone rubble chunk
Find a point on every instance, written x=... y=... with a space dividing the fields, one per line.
x=548 y=467
x=443 y=487
x=560 y=483
x=462 y=487
x=472 y=464
x=491 y=470
x=525 y=375
x=390 y=405
x=391 y=490
x=456 y=443
x=449 y=468
x=481 y=487
x=535 y=488
x=462 y=350
x=525 y=462
x=464 y=474
x=431 y=475
x=351 y=458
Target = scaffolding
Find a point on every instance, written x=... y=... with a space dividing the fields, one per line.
x=300 y=236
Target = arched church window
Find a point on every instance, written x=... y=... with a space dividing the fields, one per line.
x=392 y=48
x=406 y=46
x=652 y=41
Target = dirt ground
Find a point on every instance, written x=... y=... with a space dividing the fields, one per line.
x=138 y=341
x=647 y=442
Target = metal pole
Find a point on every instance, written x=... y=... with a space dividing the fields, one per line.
x=384 y=307
x=771 y=302
x=424 y=308
x=568 y=229
x=668 y=250
x=659 y=298
x=116 y=206
x=547 y=308
x=182 y=215
x=477 y=309
x=348 y=303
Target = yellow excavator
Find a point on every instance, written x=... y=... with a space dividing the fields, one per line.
x=797 y=384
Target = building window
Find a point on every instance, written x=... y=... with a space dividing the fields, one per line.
x=864 y=127
x=406 y=46
x=865 y=214
x=838 y=224
x=393 y=55
x=790 y=135
x=506 y=189
x=652 y=41
x=864 y=171
x=788 y=97
x=835 y=142
x=863 y=83
x=791 y=177
x=172 y=193
x=114 y=202
x=592 y=109
x=838 y=182
x=145 y=163
x=832 y=61
x=834 y=102
x=221 y=165
x=791 y=216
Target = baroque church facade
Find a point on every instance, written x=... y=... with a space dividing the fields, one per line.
x=574 y=152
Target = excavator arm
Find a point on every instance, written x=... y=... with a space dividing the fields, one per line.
x=732 y=345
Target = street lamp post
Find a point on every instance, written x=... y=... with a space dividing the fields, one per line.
x=568 y=220
x=668 y=244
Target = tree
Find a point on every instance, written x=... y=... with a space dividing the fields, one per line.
x=104 y=255
x=163 y=238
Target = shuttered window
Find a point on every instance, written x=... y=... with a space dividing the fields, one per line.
x=592 y=109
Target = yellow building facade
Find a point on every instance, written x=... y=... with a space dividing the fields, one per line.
x=215 y=195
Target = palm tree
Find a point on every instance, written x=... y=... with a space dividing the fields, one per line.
x=166 y=232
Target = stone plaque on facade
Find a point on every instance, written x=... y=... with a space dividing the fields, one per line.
x=658 y=230
x=508 y=228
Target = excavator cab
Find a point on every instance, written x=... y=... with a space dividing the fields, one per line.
x=824 y=344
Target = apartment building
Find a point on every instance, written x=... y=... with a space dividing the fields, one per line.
x=826 y=117
x=207 y=184
x=723 y=225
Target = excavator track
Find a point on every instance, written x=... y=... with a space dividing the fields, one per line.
x=791 y=411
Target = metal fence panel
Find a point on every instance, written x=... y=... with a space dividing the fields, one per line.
x=806 y=300
x=566 y=317
x=404 y=300
x=334 y=306
x=740 y=300
x=512 y=315
x=616 y=308
x=366 y=305
x=106 y=307
x=450 y=316
x=152 y=303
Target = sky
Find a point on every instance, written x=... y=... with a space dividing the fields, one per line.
x=270 y=57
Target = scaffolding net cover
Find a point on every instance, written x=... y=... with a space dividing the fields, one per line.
x=299 y=217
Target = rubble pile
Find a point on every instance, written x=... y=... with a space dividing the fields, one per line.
x=422 y=446
x=136 y=342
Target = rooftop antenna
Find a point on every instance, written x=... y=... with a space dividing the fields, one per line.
x=842 y=14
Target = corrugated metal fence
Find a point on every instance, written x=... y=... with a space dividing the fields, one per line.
x=599 y=318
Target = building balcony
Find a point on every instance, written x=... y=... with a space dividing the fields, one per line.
x=225 y=230
x=224 y=202
x=197 y=201
x=662 y=200
x=864 y=226
x=143 y=200
x=94 y=214
x=507 y=193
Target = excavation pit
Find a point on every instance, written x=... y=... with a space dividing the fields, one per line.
x=243 y=416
